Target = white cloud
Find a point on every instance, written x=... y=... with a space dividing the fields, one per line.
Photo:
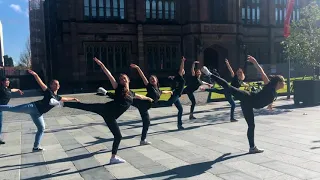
x=16 y=8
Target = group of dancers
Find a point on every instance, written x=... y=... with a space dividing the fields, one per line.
x=123 y=98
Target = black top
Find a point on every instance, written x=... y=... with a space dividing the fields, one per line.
x=236 y=82
x=122 y=98
x=5 y=95
x=193 y=84
x=178 y=85
x=153 y=92
x=264 y=97
x=43 y=105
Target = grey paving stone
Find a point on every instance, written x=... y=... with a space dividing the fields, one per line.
x=291 y=170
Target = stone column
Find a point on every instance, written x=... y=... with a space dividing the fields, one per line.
x=141 y=61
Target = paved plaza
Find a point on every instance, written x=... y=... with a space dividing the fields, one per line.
x=78 y=145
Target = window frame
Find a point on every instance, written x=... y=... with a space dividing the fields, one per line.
x=247 y=10
x=108 y=12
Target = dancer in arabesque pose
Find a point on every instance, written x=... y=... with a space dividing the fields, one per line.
x=250 y=101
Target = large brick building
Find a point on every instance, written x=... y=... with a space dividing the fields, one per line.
x=155 y=33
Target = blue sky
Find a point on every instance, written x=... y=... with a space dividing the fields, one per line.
x=15 y=22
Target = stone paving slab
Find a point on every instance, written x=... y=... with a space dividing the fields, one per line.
x=78 y=145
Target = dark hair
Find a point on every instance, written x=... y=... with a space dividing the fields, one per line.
x=52 y=81
x=4 y=79
x=275 y=79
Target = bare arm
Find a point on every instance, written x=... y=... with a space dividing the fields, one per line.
x=107 y=72
x=67 y=99
x=259 y=68
x=17 y=90
x=205 y=83
x=182 y=66
x=143 y=77
x=166 y=92
x=192 y=68
x=38 y=79
x=142 y=97
x=230 y=68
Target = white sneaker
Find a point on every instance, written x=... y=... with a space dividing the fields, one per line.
x=206 y=71
x=145 y=142
x=54 y=102
x=116 y=160
x=255 y=150
x=101 y=90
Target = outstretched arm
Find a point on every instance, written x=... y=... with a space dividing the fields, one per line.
x=142 y=97
x=182 y=66
x=192 y=68
x=68 y=99
x=17 y=90
x=107 y=72
x=143 y=77
x=259 y=68
x=38 y=79
x=229 y=67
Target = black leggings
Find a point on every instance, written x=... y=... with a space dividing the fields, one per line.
x=110 y=112
x=143 y=106
x=246 y=105
x=192 y=99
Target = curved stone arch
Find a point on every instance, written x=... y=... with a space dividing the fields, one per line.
x=213 y=57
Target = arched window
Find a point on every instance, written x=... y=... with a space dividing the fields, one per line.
x=160 y=9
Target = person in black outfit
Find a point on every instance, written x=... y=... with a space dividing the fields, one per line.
x=251 y=100
x=5 y=96
x=38 y=108
x=111 y=111
x=154 y=93
x=192 y=85
x=177 y=88
x=237 y=81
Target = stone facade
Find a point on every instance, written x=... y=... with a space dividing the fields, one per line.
x=207 y=30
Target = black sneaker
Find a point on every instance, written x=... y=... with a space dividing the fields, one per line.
x=180 y=127
x=192 y=117
x=2 y=142
x=233 y=120
x=37 y=149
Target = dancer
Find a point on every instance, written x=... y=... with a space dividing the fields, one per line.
x=237 y=81
x=194 y=84
x=252 y=100
x=154 y=93
x=38 y=108
x=177 y=88
x=112 y=110
x=5 y=96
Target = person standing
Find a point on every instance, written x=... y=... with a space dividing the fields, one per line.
x=5 y=96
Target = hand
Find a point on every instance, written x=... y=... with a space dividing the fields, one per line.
x=252 y=59
x=134 y=66
x=32 y=72
x=210 y=85
x=20 y=92
x=97 y=61
x=226 y=60
x=149 y=99
x=183 y=58
x=75 y=99
x=171 y=92
x=196 y=62
x=202 y=88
